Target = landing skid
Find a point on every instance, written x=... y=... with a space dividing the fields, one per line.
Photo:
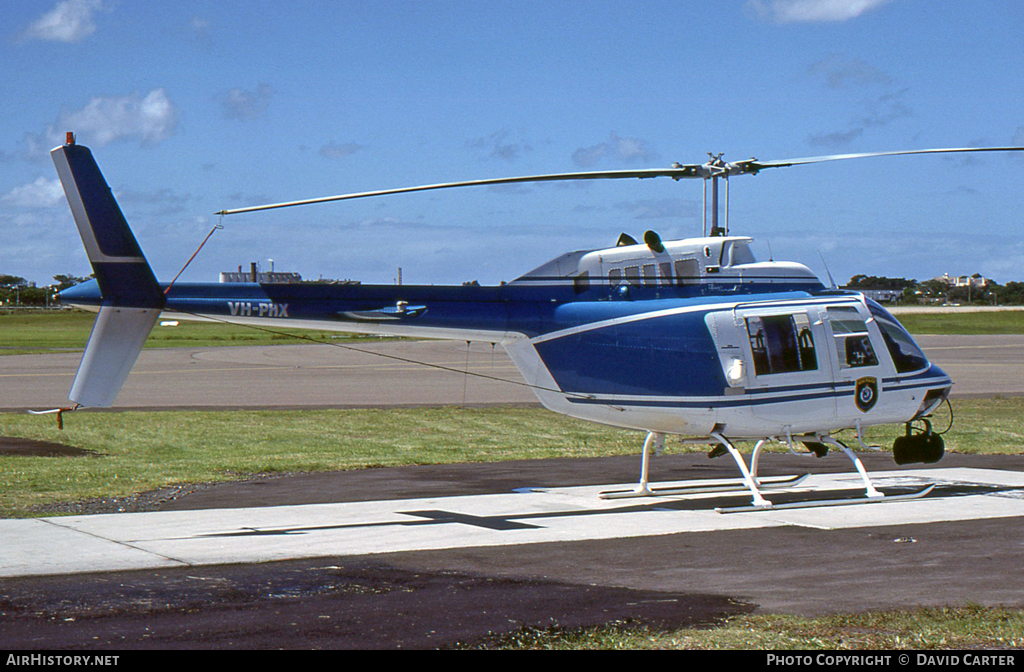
x=750 y=480
x=826 y=502
x=706 y=487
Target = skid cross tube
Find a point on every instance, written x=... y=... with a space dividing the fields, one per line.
x=655 y=440
x=869 y=488
x=758 y=500
x=750 y=474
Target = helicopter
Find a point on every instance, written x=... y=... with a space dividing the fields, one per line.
x=694 y=338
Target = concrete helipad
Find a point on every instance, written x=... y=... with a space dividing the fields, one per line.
x=78 y=544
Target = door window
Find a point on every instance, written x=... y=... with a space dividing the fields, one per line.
x=781 y=344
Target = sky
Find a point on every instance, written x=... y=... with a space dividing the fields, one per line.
x=191 y=107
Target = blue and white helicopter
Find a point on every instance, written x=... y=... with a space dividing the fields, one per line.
x=693 y=337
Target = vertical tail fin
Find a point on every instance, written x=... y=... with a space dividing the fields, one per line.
x=124 y=276
x=131 y=295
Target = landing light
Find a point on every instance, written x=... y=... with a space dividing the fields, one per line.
x=734 y=372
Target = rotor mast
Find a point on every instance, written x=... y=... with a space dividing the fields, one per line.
x=714 y=169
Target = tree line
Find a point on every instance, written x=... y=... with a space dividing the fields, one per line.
x=938 y=290
x=17 y=291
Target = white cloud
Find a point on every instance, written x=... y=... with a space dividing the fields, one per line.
x=839 y=72
x=800 y=11
x=69 y=21
x=879 y=112
x=664 y=208
x=199 y=25
x=887 y=109
x=151 y=119
x=240 y=104
x=42 y=193
x=837 y=139
x=626 y=150
x=335 y=151
x=198 y=30
x=501 y=145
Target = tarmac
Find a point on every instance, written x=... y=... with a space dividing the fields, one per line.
x=387 y=372
x=426 y=557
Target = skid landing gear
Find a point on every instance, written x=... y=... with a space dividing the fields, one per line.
x=749 y=479
x=750 y=476
x=755 y=486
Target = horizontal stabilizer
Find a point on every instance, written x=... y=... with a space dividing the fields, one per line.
x=115 y=344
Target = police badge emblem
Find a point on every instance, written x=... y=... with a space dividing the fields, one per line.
x=866 y=393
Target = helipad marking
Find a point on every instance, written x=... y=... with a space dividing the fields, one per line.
x=529 y=515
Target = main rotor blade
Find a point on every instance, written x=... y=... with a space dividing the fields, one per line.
x=677 y=173
x=712 y=169
x=754 y=166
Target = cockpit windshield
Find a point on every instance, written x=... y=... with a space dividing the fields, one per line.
x=905 y=354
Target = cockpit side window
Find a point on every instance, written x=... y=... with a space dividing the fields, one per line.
x=905 y=354
x=853 y=345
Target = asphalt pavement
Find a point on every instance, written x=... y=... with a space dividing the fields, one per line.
x=963 y=545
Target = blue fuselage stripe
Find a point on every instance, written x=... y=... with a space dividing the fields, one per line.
x=529 y=310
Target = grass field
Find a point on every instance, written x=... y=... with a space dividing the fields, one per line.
x=131 y=452
x=994 y=322
x=39 y=331
x=959 y=628
x=136 y=451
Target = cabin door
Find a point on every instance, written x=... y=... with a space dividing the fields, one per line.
x=859 y=366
